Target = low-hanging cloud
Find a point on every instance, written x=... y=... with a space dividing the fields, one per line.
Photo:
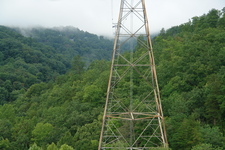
x=97 y=16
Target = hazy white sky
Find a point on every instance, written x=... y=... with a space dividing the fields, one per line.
x=97 y=16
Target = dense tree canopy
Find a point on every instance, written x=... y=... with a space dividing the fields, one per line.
x=70 y=41
x=52 y=99
x=43 y=55
x=190 y=64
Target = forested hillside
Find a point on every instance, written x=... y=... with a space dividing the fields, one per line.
x=191 y=72
x=43 y=55
x=70 y=41
x=62 y=108
x=25 y=62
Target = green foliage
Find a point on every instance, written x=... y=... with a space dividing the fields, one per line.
x=78 y=65
x=52 y=147
x=67 y=138
x=4 y=144
x=190 y=67
x=92 y=93
x=3 y=95
x=65 y=147
x=205 y=147
x=184 y=134
x=202 y=147
x=71 y=42
x=213 y=136
x=35 y=147
x=119 y=145
x=53 y=112
x=50 y=95
x=42 y=133
x=23 y=64
x=87 y=136
x=21 y=133
x=43 y=54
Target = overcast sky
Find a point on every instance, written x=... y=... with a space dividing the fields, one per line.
x=97 y=16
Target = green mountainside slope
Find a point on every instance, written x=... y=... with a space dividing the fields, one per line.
x=66 y=113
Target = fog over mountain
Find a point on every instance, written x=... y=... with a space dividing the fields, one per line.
x=98 y=16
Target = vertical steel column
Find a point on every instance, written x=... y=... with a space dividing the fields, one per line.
x=133 y=116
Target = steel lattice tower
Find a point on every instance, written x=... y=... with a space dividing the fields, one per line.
x=133 y=117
